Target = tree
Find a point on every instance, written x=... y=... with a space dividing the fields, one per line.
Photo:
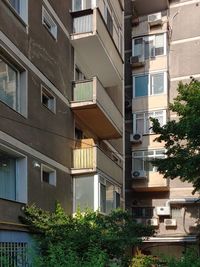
x=182 y=137
x=84 y=240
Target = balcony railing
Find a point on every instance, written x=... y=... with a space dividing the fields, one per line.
x=91 y=103
x=87 y=157
x=83 y=24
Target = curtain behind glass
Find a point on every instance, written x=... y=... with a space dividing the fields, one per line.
x=7 y=177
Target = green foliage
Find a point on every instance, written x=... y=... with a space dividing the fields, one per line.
x=141 y=260
x=85 y=240
x=182 y=137
x=190 y=258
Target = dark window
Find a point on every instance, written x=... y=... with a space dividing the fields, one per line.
x=15 y=4
x=45 y=176
x=142 y=212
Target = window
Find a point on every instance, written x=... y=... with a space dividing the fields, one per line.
x=48 y=99
x=142 y=212
x=96 y=193
x=15 y=249
x=150 y=84
x=84 y=193
x=48 y=175
x=9 y=83
x=142 y=123
x=83 y=4
x=21 y=7
x=141 y=159
x=49 y=23
x=13 y=85
x=116 y=200
x=13 y=175
x=150 y=46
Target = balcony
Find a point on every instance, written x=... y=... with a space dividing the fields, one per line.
x=152 y=181
x=88 y=158
x=96 y=51
x=96 y=110
x=142 y=7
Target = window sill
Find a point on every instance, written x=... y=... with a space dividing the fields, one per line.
x=138 y=97
x=16 y=15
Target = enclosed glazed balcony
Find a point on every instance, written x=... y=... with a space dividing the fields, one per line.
x=96 y=110
x=89 y=158
x=96 y=51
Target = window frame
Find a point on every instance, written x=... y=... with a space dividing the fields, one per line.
x=52 y=172
x=52 y=28
x=21 y=184
x=22 y=83
x=144 y=118
x=45 y=91
x=146 y=210
x=143 y=157
x=23 y=10
x=150 y=87
x=150 y=38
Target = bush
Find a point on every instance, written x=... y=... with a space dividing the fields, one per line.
x=85 y=240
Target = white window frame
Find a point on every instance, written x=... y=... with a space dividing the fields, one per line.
x=50 y=95
x=22 y=83
x=143 y=156
x=51 y=171
x=145 y=115
x=23 y=10
x=53 y=28
x=98 y=180
x=21 y=174
x=150 y=75
x=153 y=39
x=83 y=5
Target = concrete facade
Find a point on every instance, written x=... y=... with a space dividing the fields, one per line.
x=178 y=57
x=41 y=132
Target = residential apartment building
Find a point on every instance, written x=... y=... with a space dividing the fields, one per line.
x=161 y=49
x=61 y=110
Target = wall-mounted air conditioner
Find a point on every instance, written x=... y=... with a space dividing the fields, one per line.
x=155 y=19
x=170 y=222
x=137 y=61
x=163 y=211
x=136 y=138
x=139 y=175
x=153 y=222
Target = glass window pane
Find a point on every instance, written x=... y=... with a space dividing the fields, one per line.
x=138 y=154
x=141 y=86
x=138 y=164
x=8 y=84
x=109 y=197
x=140 y=126
x=102 y=198
x=147 y=165
x=77 y=5
x=138 y=47
x=84 y=193
x=15 y=4
x=158 y=83
x=7 y=176
x=159 y=44
x=149 y=49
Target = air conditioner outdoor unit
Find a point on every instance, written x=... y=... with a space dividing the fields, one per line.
x=155 y=19
x=137 y=61
x=136 y=138
x=153 y=222
x=163 y=211
x=170 y=222
x=139 y=175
